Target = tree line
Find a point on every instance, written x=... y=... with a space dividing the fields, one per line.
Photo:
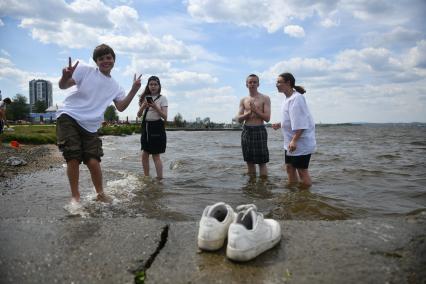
x=19 y=109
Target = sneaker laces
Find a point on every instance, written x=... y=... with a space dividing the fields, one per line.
x=246 y=208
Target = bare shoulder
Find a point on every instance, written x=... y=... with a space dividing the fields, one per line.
x=244 y=99
x=264 y=98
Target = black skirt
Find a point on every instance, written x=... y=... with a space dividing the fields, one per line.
x=153 y=137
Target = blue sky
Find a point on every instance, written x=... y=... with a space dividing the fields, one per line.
x=359 y=60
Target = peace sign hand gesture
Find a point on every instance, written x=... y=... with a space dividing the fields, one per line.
x=68 y=71
x=136 y=83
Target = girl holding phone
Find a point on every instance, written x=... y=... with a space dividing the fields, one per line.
x=153 y=109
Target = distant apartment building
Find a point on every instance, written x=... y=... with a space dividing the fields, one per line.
x=40 y=90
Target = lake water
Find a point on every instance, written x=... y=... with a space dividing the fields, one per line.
x=358 y=171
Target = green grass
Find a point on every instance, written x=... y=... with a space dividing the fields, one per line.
x=124 y=129
x=46 y=134
x=31 y=134
x=140 y=277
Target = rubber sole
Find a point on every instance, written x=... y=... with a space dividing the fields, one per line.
x=209 y=244
x=246 y=255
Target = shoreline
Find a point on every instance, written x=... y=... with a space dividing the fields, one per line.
x=42 y=243
x=37 y=157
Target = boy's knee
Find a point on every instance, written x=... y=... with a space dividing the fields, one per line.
x=71 y=153
x=92 y=161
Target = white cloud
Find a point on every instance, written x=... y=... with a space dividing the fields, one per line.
x=310 y=67
x=8 y=71
x=385 y=12
x=417 y=55
x=209 y=92
x=398 y=36
x=88 y=23
x=4 y=52
x=364 y=67
x=276 y=14
x=294 y=31
x=147 y=66
x=37 y=9
x=188 y=79
x=220 y=104
x=328 y=23
x=375 y=80
x=271 y=15
x=125 y=18
x=354 y=54
x=332 y=20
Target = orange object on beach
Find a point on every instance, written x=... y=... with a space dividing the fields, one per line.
x=14 y=144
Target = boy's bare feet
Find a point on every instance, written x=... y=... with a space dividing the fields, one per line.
x=102 y=197
x=75 y=199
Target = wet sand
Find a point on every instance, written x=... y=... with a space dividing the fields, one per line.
x=37 y=157
x=42 y=243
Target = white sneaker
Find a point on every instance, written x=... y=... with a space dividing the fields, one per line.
x=214 y=226
x=250 y=235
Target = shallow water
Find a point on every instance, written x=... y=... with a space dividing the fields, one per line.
x=358 y=171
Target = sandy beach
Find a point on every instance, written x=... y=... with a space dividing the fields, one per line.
x=42 y=243
x=37 y=157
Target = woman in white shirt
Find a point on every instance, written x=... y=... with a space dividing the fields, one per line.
x=298 y=129
x=153 y=109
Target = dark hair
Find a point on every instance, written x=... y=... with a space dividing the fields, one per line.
x=102 y=50
x=253 y=75
x=7 y=100
x=288 y=77
x=147 y=91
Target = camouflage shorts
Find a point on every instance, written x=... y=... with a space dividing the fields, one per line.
x=75 y=142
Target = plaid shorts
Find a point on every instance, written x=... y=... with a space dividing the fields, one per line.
x=75 y=142
x=254 y=142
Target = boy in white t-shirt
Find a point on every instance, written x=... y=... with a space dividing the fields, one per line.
x=78 y=120
x=298 y=129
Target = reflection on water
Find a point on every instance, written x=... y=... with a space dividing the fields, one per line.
x=303 y=204
x=357 y=172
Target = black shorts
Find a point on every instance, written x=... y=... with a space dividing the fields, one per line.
x=254 y=143
x=153 y=137
x=298 y=162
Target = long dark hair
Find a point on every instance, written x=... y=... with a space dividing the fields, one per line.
x=288 y=77
x=147 y=91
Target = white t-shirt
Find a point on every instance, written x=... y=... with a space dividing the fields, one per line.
x=89 y=98
x=153 y=114
x=295 y=116
x=2 y=105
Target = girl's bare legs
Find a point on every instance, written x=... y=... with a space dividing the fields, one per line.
x=145 y=163
x=158 y=165
x=305 y=178
x=291 y=174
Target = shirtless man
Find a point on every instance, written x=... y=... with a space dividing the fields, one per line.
x=254 y=110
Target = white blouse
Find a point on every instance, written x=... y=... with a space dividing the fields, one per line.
x=295 y=116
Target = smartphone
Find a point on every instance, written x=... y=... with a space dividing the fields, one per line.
x=149 y=100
